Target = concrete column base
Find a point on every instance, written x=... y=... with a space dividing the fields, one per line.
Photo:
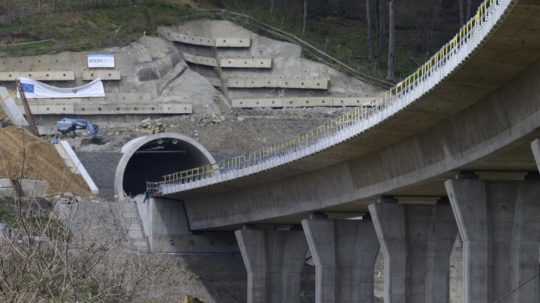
x=344 y=253
x=499 y=223
x=274 y=261
x=416 y=241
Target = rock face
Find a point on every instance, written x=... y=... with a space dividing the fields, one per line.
x=152 y=70
x=287 y=61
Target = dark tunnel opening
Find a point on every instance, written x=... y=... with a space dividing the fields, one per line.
x=158 y=158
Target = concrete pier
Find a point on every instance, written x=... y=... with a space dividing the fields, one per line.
x=344 y=253
x=274 y=262
x=499 y=223
x=416 y=242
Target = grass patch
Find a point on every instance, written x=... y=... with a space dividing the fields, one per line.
x=86 y=30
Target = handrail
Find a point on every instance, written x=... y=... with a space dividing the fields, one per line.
x=332 y=127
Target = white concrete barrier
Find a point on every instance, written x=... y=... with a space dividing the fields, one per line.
x=10 y=108
x=72 y=161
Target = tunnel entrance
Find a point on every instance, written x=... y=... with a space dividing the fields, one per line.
x=149 y=158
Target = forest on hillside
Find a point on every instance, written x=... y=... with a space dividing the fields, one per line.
x=416 y=27
x=385 y=38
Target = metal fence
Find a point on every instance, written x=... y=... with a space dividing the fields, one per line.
x=332 y=127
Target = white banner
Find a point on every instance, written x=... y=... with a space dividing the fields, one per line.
x=38 y=90
x=101 y=61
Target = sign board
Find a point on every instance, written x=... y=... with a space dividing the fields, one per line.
x=37 y=90
x=101 y=61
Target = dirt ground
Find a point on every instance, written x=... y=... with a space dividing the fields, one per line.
x=223 y=135
x=24 y=156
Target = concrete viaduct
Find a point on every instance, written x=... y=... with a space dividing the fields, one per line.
x=451 y=150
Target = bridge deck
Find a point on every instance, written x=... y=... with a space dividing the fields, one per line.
x=478 y=110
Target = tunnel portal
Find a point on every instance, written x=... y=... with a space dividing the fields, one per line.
x=151 y=157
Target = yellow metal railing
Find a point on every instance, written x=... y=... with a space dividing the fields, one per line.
x=348 y=119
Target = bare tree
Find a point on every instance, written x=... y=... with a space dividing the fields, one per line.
x=42 y=260
x=391 y=68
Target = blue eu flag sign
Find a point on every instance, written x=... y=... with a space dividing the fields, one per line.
x=27 y=87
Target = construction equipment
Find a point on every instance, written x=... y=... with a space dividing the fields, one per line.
x=70 y=126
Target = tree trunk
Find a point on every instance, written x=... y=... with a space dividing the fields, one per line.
x=304 y=24
x=431 y=43
x=391 y=73
x=369 y=30
x=272 y=5
x=376 y=25
x=382 y=23
x=461 y=8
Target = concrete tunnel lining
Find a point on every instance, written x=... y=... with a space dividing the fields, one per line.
x=150 y=157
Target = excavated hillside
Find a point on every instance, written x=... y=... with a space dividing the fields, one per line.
x=25 y=156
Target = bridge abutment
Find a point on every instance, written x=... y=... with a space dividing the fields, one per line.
x=165 y=226
x=274 y=261
x=499 y=223
x=344 y=253
x=416 y=242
